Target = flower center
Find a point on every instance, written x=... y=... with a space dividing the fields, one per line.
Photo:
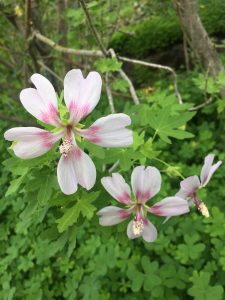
x=203 y=209
x=65 y=147
x=138 y=227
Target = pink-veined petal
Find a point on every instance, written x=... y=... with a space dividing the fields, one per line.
x=145 y=182
x=149 y=232
x=188 y=187
x=81 y=95
x=170 y=206
x=66 y=174
x=208 y=169
x=112 y=215
x=41 y=102
x=31 y=141
x=85 y=169
x=109 y=131
x=117 y=188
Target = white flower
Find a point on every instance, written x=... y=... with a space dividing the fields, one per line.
x=146 y=184
x=81 y=96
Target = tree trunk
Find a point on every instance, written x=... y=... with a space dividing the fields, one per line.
x=198 y=38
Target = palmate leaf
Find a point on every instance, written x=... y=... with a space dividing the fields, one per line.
x=82 y=206
x=202 y=290
x=167 y=126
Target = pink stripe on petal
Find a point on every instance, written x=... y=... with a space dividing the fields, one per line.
x=142 y=197
x=81 y=94
x=188 y=187
x=145 y=182
x=170 y=206
x=117 y=188
x=109 y=131
x=124 y=198
x=112 y=215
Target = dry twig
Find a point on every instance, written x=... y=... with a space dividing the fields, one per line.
x=109 y=93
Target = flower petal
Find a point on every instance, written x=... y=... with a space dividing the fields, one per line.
x=117 y=188
x=112 y=215
x=145 y=182
x=109 y=131
x=149 y=233
x=81 y=95
x=170 y=206
x=208 y=169
x=188 y=187
x=41 y=102
x=66 y=174
x=31 y=141
x=45 y=89
x=85 y=169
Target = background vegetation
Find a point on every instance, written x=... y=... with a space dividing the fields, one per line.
x=51 y=245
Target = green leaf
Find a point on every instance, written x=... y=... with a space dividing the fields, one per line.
x=105 y=65
x=15 y=183
x=46 y=188
x=201 y=289
x=120 y=85
x=148 y=149
x=82 y=206
x=167 y=126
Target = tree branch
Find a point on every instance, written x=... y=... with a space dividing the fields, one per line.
x=59 y=48
x=156 y=66
x=94 y=31
x=105 y=52
x=97 y=53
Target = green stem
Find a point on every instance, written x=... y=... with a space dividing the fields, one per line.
x=168 y=165
x=155 y=134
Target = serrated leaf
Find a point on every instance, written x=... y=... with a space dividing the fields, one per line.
x=167 y=126
x=105 y=65
x=82 y=206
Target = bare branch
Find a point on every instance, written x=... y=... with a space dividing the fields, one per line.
x=111 y=51
x=207 y=101
x=109 y=93
x=125 y=77
x=94 y=31
x=97 y=53
x=210 y=100
x=49 y=70
x=156 y=66
x=59 y=48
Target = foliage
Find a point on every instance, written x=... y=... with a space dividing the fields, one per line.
x=166 y=33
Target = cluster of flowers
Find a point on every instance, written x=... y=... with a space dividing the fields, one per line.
x=76 y=167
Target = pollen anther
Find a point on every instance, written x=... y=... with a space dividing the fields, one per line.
x=138 y=227
x=65 y=147
x=203 y=209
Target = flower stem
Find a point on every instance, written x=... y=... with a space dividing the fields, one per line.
x=168 y=165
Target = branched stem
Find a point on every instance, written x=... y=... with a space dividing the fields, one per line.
x=168 y=165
